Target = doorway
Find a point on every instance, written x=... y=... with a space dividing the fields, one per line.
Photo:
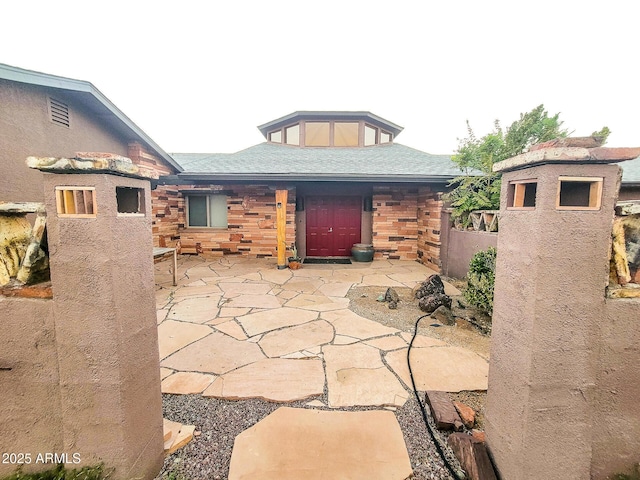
x=333 y=225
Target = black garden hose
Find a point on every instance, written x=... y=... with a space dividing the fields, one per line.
x=456 y=472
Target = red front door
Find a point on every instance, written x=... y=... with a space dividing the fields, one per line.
x=333 y=225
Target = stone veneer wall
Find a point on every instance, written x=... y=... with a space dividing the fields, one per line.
x=406 y=223
x=164 y=199
x=429 y=225
x=251 y=222
x=395 y=222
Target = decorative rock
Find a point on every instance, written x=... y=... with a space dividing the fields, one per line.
x=392 y=297
x=443 y=315
x=473 y=456
x=431 y=303
x=443 y=412
x=15 y=236
x=478 y=435
x=430 y=286
x=97 y=163
x=467 y=414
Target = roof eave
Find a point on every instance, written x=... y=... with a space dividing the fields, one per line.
x=319 y=177
x=20 y=75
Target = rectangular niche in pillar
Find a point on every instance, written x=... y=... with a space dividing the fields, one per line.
x=78 y=202
x=579 y=193
x=130 y=201
x=521 y=195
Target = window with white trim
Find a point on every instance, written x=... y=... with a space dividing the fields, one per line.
x=206 y=211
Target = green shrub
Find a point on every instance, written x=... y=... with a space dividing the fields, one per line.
x=61 y=473
x=481 y=279
x=635 y=474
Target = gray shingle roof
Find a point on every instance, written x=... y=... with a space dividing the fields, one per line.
x=631 y=171
x=392 y=161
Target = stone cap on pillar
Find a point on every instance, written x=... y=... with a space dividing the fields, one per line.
x=92 y=162
x=571 y=150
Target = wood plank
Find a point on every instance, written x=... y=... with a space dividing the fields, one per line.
x=281 y=227
x=444 y=414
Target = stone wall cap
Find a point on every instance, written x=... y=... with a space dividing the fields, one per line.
x=96 y=163
x=567 y=155
x=21 y=207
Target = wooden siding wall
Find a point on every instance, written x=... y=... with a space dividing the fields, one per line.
x=406 y=223
x=251 y=218
x=429 y=224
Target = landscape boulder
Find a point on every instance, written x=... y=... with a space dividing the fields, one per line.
x=430 y=286
x=431 y=303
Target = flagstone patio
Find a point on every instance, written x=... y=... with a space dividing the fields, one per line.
x=236 y=329
x=227 y=321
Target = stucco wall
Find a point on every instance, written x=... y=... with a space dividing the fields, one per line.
x=105 y=329
x=25 y=129
x=616 y=423
x=251 y=219
x=552 y=358
x=459 y=246
x=30 y=420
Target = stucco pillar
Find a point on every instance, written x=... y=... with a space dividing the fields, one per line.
x=556 y=215
x=105 y=323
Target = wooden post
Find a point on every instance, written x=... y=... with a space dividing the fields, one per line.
x=281 y=224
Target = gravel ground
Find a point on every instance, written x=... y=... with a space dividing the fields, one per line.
x=220 y=421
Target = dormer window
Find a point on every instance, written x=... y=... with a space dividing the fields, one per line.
x=329 y=133
x=345 y=134
x=322 y=129
x=292 y=135
x=316 y=134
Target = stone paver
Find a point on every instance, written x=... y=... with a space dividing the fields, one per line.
x=233 y=312
x=318 y=303
x=295 y=321
x=295 y=443
x=173 y=336
x=335 y=289
x=261 y=322
x=379 y=280
x=392 y=342
x=357 y=376
x=197 y=291
x=275 y=379
x=246 y=288
x=185 y=383
x=351 y=324
x=232 y=328
x=254 y=301
x=449 y=369
x=293 y=339
x=217 y=353
x=195 y=310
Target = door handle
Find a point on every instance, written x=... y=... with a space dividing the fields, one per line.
x=330 y=229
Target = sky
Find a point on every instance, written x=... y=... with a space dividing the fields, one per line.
x=200 y=76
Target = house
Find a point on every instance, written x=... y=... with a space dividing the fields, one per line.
x=49 y=116
x=347 y=179
x=348 y=182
